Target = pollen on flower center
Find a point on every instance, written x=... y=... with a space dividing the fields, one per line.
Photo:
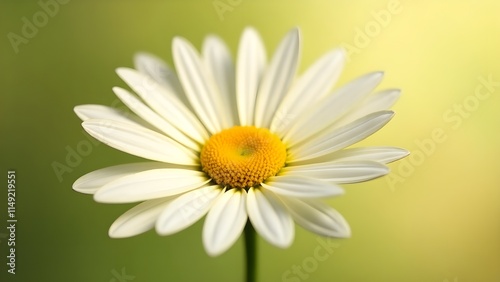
x=243 y=156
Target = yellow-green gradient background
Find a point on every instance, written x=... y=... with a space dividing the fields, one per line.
x=437 y=220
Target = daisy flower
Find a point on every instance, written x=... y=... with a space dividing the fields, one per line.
x=237 y=142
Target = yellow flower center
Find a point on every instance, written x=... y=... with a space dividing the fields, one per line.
x=243 y=156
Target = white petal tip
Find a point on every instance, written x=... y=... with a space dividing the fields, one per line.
x=115 y=235
x=251 y=32
x=372 y=77
x=211 y=38
x=165 y=230
x=78 y=187
x=344 y=230
x=213 y=252
x=78 y=108
x=143 y=55
x=341 y=51
x=284 y=245
x=343 y=234
x=389 y=114
x=98 y=197
x=121 y=93
x=404 y=153
x=162 y=231
x=101 y=196
x=396 y=91
x=178 y=40
x=87 y=111
x=80 y=112
x=250 y=29
x=124 y=72
x=115 y=232
x=295 y=30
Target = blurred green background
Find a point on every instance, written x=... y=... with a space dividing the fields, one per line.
x=435 y=218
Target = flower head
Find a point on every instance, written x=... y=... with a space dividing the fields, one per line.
x=237 y=142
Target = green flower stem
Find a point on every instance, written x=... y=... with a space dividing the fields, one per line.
x=250 y=250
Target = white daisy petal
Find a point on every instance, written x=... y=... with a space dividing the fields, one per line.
x=340 y=171
x=249 y=69
x=150 y=184
x=92 y=181
x=199 y=86
x=331 y=141
x=331 y=108
x=317 y=217
x=187 y=209
x=220 y=65
x=315 y=83
x=293 y=185
x=153 y=118
x=225 y=222
x=86 y=112
x=139 y=141
x=380 y=101
x=165 y=103
x=157 y=69
x=377 y=154
x=214 y=128
x=138 y=219
x=277 y=78
x=270 y=218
